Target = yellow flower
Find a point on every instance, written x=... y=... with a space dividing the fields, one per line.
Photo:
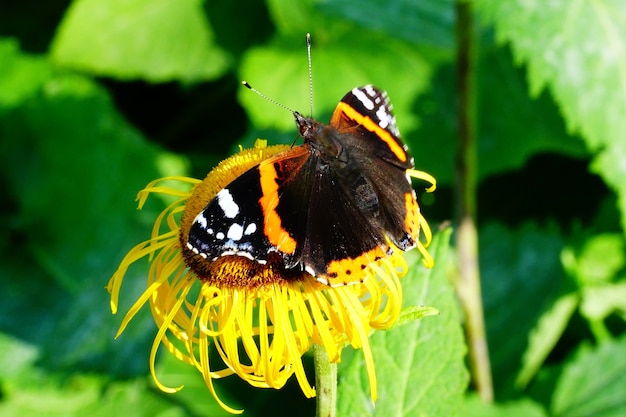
x=259 y=322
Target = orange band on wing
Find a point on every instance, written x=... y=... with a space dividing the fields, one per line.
x=273 y=228
x=351 y=270
x=372 y=126
x=411 y=220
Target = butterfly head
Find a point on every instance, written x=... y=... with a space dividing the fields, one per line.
x=307 y=127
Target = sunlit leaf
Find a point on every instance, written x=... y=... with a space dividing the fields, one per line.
x=594 y=383
x=576 y=49
x=420 y=367
x=157 y=41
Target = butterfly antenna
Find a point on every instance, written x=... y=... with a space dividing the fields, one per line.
x=267 y=98
x=308 y=52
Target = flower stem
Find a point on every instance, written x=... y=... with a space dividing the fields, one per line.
x=468 y=286
x=325 y=382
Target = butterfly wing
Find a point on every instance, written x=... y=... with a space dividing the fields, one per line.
x=241 y=219
x=372 y=140
x=336 y=238
x=368 y=113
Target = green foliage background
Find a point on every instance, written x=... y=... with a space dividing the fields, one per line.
x=98 y=97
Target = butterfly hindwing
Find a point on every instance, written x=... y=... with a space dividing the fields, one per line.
x=374 y=143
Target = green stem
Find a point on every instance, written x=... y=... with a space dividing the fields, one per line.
x=468 y=286
x=325 y=383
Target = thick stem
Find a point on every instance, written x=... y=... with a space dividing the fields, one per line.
x=467 y=237
x=325 y=383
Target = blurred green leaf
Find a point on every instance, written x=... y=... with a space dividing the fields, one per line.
x=31 y=391
x=475 y=407
x=593 y=383
x=21 y=75
x=16 y=358
x=71 y=167
x=197 y=400
x=577 y=49
x=520 y=277
x=545 y=336
x=50 y=398
x=430 y=23
x=156 y=41
x=134 y=398
x=598 y=261
x=511 y=127
x=337 y=68
x=598 y=302
x=420 y=367
x=195 y=395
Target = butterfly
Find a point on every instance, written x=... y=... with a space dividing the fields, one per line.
x=328 y=207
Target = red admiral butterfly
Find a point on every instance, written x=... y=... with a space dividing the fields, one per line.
x=328 y=207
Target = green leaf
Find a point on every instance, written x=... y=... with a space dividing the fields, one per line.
x=156 y=41
x=598 y=302
x=71 y=168
x=337 y=68
x=577 y=49
x=21 y=75
x=429 y=23
x=508 y=129
x=17 y=357
x=593 y=383
x=545 y=336
x=413 y=313
x=174 y=373
x=28 y=390
x=520 y=277
x=598 y=261
x=420 y=367
x=475 y=407
x=233 y=391
x=50 y=397
x=134 y=397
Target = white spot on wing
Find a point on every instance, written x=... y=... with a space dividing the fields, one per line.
x=227 y=204
x=201 y=220
x=235 y=232
x=250 y=229
x=383 y=117
x=363 y=98
x=219 y=235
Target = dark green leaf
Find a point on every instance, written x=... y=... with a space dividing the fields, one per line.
x=475 y=407
x=430 y=23
x=520 y=276
x=72 y=167
x=577 y=50
x=509 y=130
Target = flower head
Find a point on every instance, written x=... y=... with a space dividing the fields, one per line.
x=257 y=317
